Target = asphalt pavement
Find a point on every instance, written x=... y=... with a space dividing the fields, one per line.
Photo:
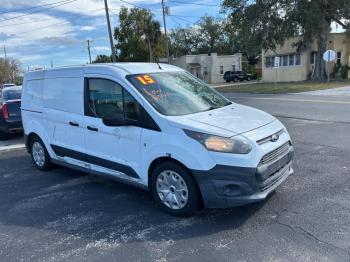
x=64 y=215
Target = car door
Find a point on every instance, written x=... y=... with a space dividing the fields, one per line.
x=63 y=117
x=112 y=150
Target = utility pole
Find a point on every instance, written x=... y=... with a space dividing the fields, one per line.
x=165 y=33
x=114 y=58
x=5 y=52
x=89 y=49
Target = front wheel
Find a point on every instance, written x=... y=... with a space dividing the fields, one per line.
x=39 y=154
x=174 y=189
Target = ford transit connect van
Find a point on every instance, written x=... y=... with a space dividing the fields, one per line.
x=156 y=127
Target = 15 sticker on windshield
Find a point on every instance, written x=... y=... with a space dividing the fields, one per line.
x=145 y=80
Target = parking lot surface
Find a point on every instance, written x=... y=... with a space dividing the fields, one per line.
x=65 y=215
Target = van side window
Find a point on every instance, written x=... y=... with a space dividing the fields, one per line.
x=106 y=97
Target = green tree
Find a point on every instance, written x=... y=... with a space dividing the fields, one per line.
x=10 y=71
x=210 y=30
x=243 y=33
x=184 y=41
x=207 y=37
x=277 y=20
x=102 y=59
x=138 y=36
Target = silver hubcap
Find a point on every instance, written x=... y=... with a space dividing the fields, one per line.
x=172 y=189
x=38 y=154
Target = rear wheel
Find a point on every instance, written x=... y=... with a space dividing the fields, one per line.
x=249 y=78
x=174 y=189
x=227 y=81
x=39 y=154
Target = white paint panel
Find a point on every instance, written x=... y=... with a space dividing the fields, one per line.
x=65 y=94
x=32 y=94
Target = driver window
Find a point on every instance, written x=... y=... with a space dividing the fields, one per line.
x=106 y=97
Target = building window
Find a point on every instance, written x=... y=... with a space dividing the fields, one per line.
x=268 y=61
x=291 y=60
x=221 y=70
x=338 y=57
x=284 y=60
x=205 y=70
x=313 y=56
x=233 y=67
x=297 y=59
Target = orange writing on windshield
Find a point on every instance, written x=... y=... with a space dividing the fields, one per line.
x=145 y=80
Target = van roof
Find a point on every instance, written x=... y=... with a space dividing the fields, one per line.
x=11 y=88
x=127 y=68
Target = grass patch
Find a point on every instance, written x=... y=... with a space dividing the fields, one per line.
x=281 y=88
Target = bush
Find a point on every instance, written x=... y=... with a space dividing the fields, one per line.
x=340 y=71
x=250 y=69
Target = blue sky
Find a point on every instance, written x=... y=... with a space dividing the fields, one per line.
x=36 y=36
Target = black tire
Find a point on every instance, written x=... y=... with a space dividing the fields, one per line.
x=227 y=81
x=46 y=163
x=193 y=195
x=4 y=136
x=248 y=78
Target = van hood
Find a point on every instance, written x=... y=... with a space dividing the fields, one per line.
x=228 y=121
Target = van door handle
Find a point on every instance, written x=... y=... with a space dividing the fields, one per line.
x=72 y=123
x=92 y=128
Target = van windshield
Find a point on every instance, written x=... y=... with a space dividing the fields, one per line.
x=177 y=93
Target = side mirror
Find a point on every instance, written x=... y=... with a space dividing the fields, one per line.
x=115 y=119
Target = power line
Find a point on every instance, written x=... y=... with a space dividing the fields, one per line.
x=42 y=20
x=149 y=9
x=186 y=3
x=30 y=8
x=176 y=22
x=186 y=16
x=185 y=20
x=37 y=11
x=56 y=24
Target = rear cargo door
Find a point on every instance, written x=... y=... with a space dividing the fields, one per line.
x=14 y=109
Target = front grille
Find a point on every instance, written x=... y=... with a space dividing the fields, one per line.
x=274 y=178
x=273 y=155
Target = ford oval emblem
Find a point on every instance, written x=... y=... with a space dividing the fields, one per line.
x=274 y=138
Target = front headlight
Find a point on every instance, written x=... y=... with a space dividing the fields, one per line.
x=220 y=144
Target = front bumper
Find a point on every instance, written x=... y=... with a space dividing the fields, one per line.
x=229 y=186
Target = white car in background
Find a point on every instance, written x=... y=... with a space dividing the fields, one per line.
x=157 y=127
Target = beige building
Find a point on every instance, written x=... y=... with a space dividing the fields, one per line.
x=296 y=66
x=210 y=68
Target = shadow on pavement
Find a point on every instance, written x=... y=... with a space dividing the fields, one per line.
x=66 y=202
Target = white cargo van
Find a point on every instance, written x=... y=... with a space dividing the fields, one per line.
x=156 y=127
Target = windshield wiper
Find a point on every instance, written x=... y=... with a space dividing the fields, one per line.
x=212 y=108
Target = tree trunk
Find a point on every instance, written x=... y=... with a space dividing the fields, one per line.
x=320 y=65
x=150 y=51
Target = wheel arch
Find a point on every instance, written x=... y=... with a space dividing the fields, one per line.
x=163 y=159
x=28 y=140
